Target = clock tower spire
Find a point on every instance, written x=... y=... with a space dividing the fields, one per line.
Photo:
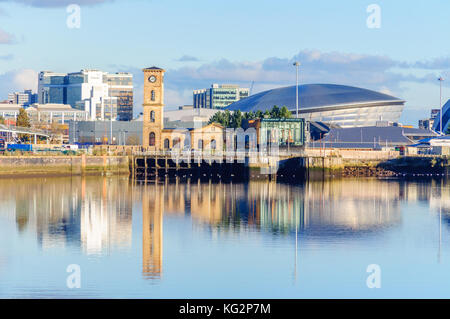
x=153 y=122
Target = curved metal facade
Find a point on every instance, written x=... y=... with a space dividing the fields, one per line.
x=445 y=118
x=337 y=104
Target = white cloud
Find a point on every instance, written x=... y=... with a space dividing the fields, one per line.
x=18 y=80
x=188 y=58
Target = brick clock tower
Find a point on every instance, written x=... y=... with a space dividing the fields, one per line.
x=153 y=107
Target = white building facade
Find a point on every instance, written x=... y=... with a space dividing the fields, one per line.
x=91 y=91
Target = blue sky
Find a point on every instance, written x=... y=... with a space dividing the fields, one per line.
x=202 y=41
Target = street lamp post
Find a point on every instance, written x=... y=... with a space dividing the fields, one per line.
x=440 y=103
x=296 y=64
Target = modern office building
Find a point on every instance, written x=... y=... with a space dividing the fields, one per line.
x=445 y=118
x=427 y=124
x=341 y=105
x=24 y=98
x=219 y=96
x=86 y=90
x=121 y=87
x=51 y=88
x=104 y=96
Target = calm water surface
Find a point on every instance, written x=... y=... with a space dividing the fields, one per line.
x=212 y=240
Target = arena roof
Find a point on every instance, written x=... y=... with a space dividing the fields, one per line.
x=313 y=96
x=368 y=137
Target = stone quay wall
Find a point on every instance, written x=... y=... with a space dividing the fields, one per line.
x=63 y=165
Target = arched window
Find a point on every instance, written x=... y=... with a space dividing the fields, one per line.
x=213 y=144
x=153 y=95
x=152 y=116
x=176 y=142
x=187 y=141
x=152 y=139
x=166 y=143
x=200 y=144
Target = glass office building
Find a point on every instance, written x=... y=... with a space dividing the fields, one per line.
x=51 y=88
x=219 y=96
x=121 y=86
x=342 y=105
x=100 y=94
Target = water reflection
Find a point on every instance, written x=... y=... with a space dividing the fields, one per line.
x=99 y=216
x=106 y=215
x=152 y=231
x=93 y=214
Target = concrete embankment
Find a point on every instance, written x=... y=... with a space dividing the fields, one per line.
x=348 y=167
x=62 y=165
x=425 y=165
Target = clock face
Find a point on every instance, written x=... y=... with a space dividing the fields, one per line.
x=152 y=79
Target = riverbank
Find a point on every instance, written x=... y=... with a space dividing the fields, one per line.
x=394 y=167
x=296 y=168
x=62 y=165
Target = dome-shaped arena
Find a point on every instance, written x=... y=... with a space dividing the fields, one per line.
x=342 y=105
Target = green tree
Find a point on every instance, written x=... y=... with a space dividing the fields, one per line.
x=249 y=115
x=2 y=120
x=221 y=117
x=275 y=112
x=22 y=119
x=259 y=114
x=236 y=119
x=285 y=113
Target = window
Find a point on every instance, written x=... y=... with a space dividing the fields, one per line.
x=176 y=142
x=152 y=139
x=213 y=144
x=200 y=144
x=166 y=144
x=153 y=95
x=152 y=116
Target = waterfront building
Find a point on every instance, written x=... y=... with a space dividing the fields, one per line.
x=283 y=132
x=55 y=113
x=44 y=113
x=186 y=118
x=219 y=96
x=372 y=137
x=24 y=98
x=341 y=105
x=104 y=96
x=156 y=136
x=106 y=132
x=9 y=111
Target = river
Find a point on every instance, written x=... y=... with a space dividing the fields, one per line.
x=195 y=239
